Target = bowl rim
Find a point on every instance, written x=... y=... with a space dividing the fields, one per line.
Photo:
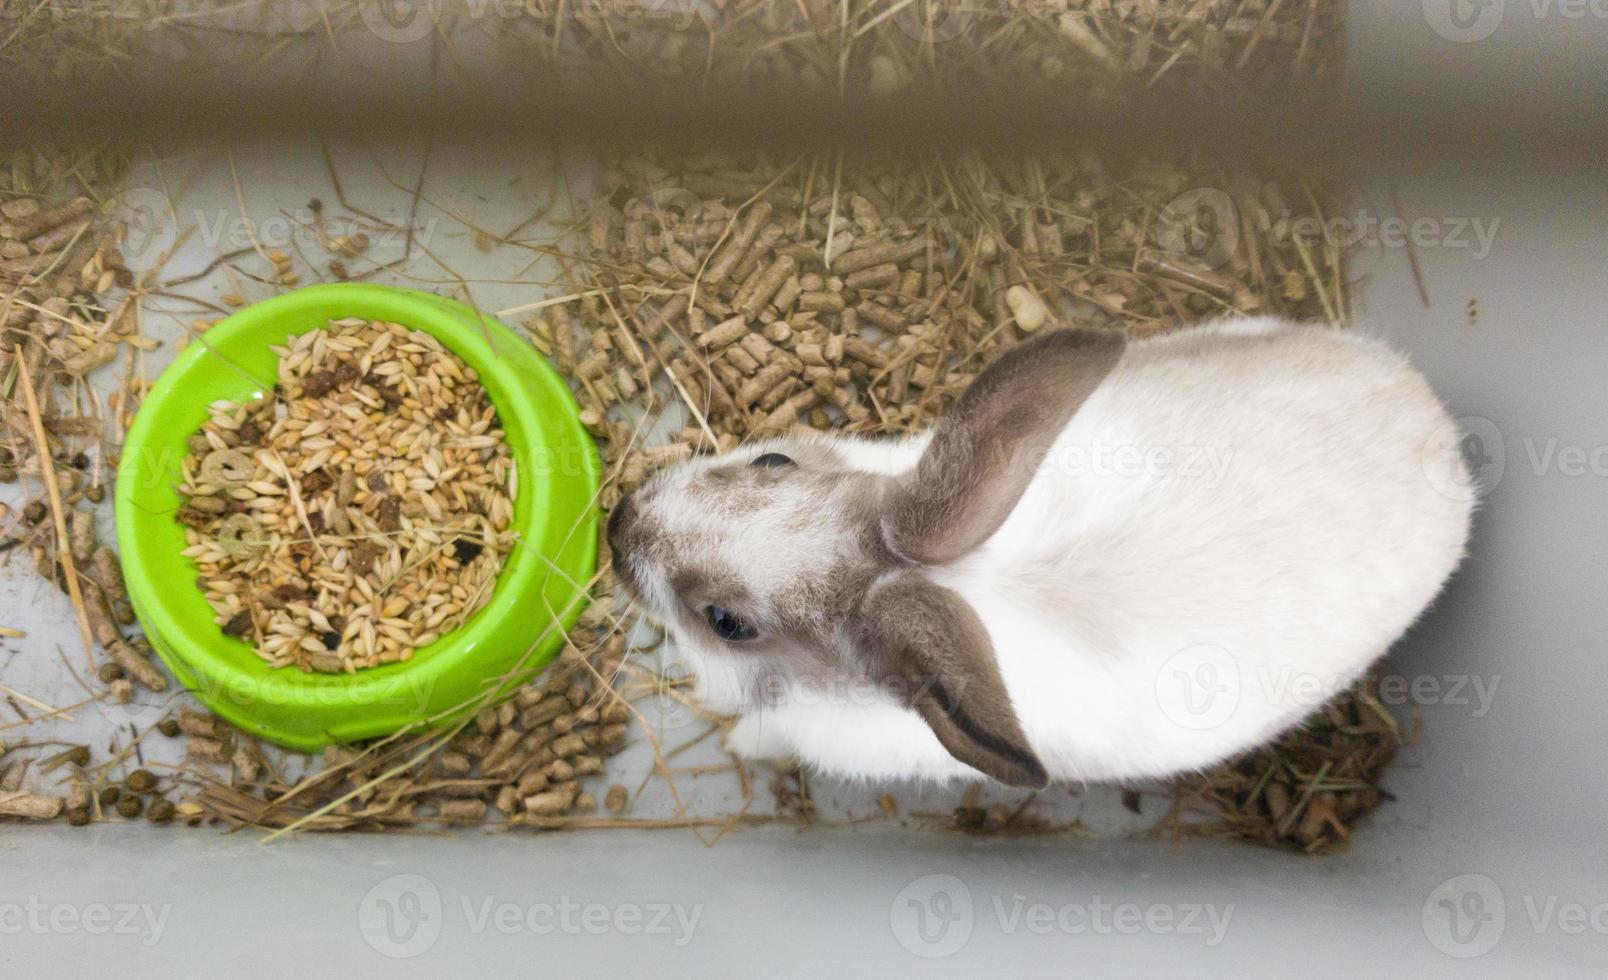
x=520 y=384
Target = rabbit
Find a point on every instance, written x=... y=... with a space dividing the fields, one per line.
x=1111 y=560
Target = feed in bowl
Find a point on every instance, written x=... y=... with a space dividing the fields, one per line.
x=359 y=511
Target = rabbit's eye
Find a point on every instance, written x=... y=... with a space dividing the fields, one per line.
x=727 y=625
x=773 y=459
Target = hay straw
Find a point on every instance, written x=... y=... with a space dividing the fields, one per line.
x=64 y=554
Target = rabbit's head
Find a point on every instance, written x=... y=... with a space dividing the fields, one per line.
x=784 y=561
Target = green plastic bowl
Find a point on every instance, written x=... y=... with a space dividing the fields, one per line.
x=538 y=595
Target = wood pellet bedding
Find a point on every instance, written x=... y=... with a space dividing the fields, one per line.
x=360 y=512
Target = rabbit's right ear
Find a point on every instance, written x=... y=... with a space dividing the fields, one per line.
x=984 y=453
x=928 y=642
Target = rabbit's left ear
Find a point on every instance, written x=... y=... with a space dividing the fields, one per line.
x=984 y=453
x=926 y=641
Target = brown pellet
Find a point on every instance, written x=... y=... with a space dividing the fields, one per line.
x=549 y=803
x=880 y=254
x=29 y=806
x=136 y=666
x=109 y=573
x=766 y=285
x=569 y=745
x=463 y=811
x=193 y=722
x=724 y=333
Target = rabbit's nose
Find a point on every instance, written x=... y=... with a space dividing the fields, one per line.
x=620 y=520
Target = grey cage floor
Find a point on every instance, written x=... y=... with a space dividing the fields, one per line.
x=1490 y=862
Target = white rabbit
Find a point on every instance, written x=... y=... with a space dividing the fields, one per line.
x=1111 y=560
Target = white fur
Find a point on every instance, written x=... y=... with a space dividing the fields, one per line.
x=1153 y=615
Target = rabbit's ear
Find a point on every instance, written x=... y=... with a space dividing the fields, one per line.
x=985 y=451
x=927 y=644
